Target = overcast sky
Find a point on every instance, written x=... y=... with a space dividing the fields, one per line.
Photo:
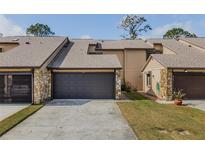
x=99 y=26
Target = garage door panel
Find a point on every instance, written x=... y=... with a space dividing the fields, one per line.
x=15 y=88
x=1 y=87
x=83 y=85
x=193 y=84
x=21 y=88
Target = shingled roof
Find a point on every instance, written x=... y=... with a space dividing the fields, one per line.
x=199 y=41
x=185 y=56
x=76 y=56
x=30 y=51
x=124 y=44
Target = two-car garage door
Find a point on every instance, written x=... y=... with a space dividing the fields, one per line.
x=193 y=84
x=83 y=85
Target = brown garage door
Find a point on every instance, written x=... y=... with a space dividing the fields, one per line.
x=193 y=84
x=83 y=85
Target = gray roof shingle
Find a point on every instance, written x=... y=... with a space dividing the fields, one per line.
x=75 y=56
x=33 y=54
x=199 y=41
x=125 y=44
x=186 y=56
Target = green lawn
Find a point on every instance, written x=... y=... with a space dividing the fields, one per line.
x=13 y=120
x=151 y=120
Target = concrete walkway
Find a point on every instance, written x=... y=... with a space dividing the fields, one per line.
x=9 y=109
x=74 y=119
x=199 y=104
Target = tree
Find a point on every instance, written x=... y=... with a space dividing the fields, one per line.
x=39 y=30
x=178 y=32
x=134 y=26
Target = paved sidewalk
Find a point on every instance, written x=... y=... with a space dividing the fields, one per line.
x=199 y=104
x=9 y=109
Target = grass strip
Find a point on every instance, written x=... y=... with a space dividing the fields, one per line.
x=16 y=118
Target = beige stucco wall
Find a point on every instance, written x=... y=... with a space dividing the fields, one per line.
x=155 y=68
x=132 y=62
x=158 y=47
x=7 y=47
x=120 y=55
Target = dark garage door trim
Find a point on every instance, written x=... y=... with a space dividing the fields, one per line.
x=112 y=95
x=193 y=83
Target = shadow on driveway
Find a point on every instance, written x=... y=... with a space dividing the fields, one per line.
x=68 y=102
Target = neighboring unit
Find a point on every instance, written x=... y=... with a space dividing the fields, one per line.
x=180 y=65
x=23 y=62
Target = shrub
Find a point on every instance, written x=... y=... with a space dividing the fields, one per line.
x=126 y=87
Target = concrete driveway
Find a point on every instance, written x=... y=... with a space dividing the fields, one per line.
x=9 y=109
x=74 y=119
x=199 y=104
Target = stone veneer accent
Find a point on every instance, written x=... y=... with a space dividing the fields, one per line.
x=42 y=85
x=117 y=84
x=166 y=84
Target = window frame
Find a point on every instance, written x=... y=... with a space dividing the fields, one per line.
x=149 y=79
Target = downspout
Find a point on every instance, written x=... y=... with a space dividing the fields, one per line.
x=32 y=85
x=125 y=57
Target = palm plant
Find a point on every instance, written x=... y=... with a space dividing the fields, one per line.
x=178 y=94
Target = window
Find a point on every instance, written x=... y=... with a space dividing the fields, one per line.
x=1 y=50
x=148 y=79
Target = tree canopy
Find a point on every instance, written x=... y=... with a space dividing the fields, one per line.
x=39 y=30
x=178 y=32
x=134 y=25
